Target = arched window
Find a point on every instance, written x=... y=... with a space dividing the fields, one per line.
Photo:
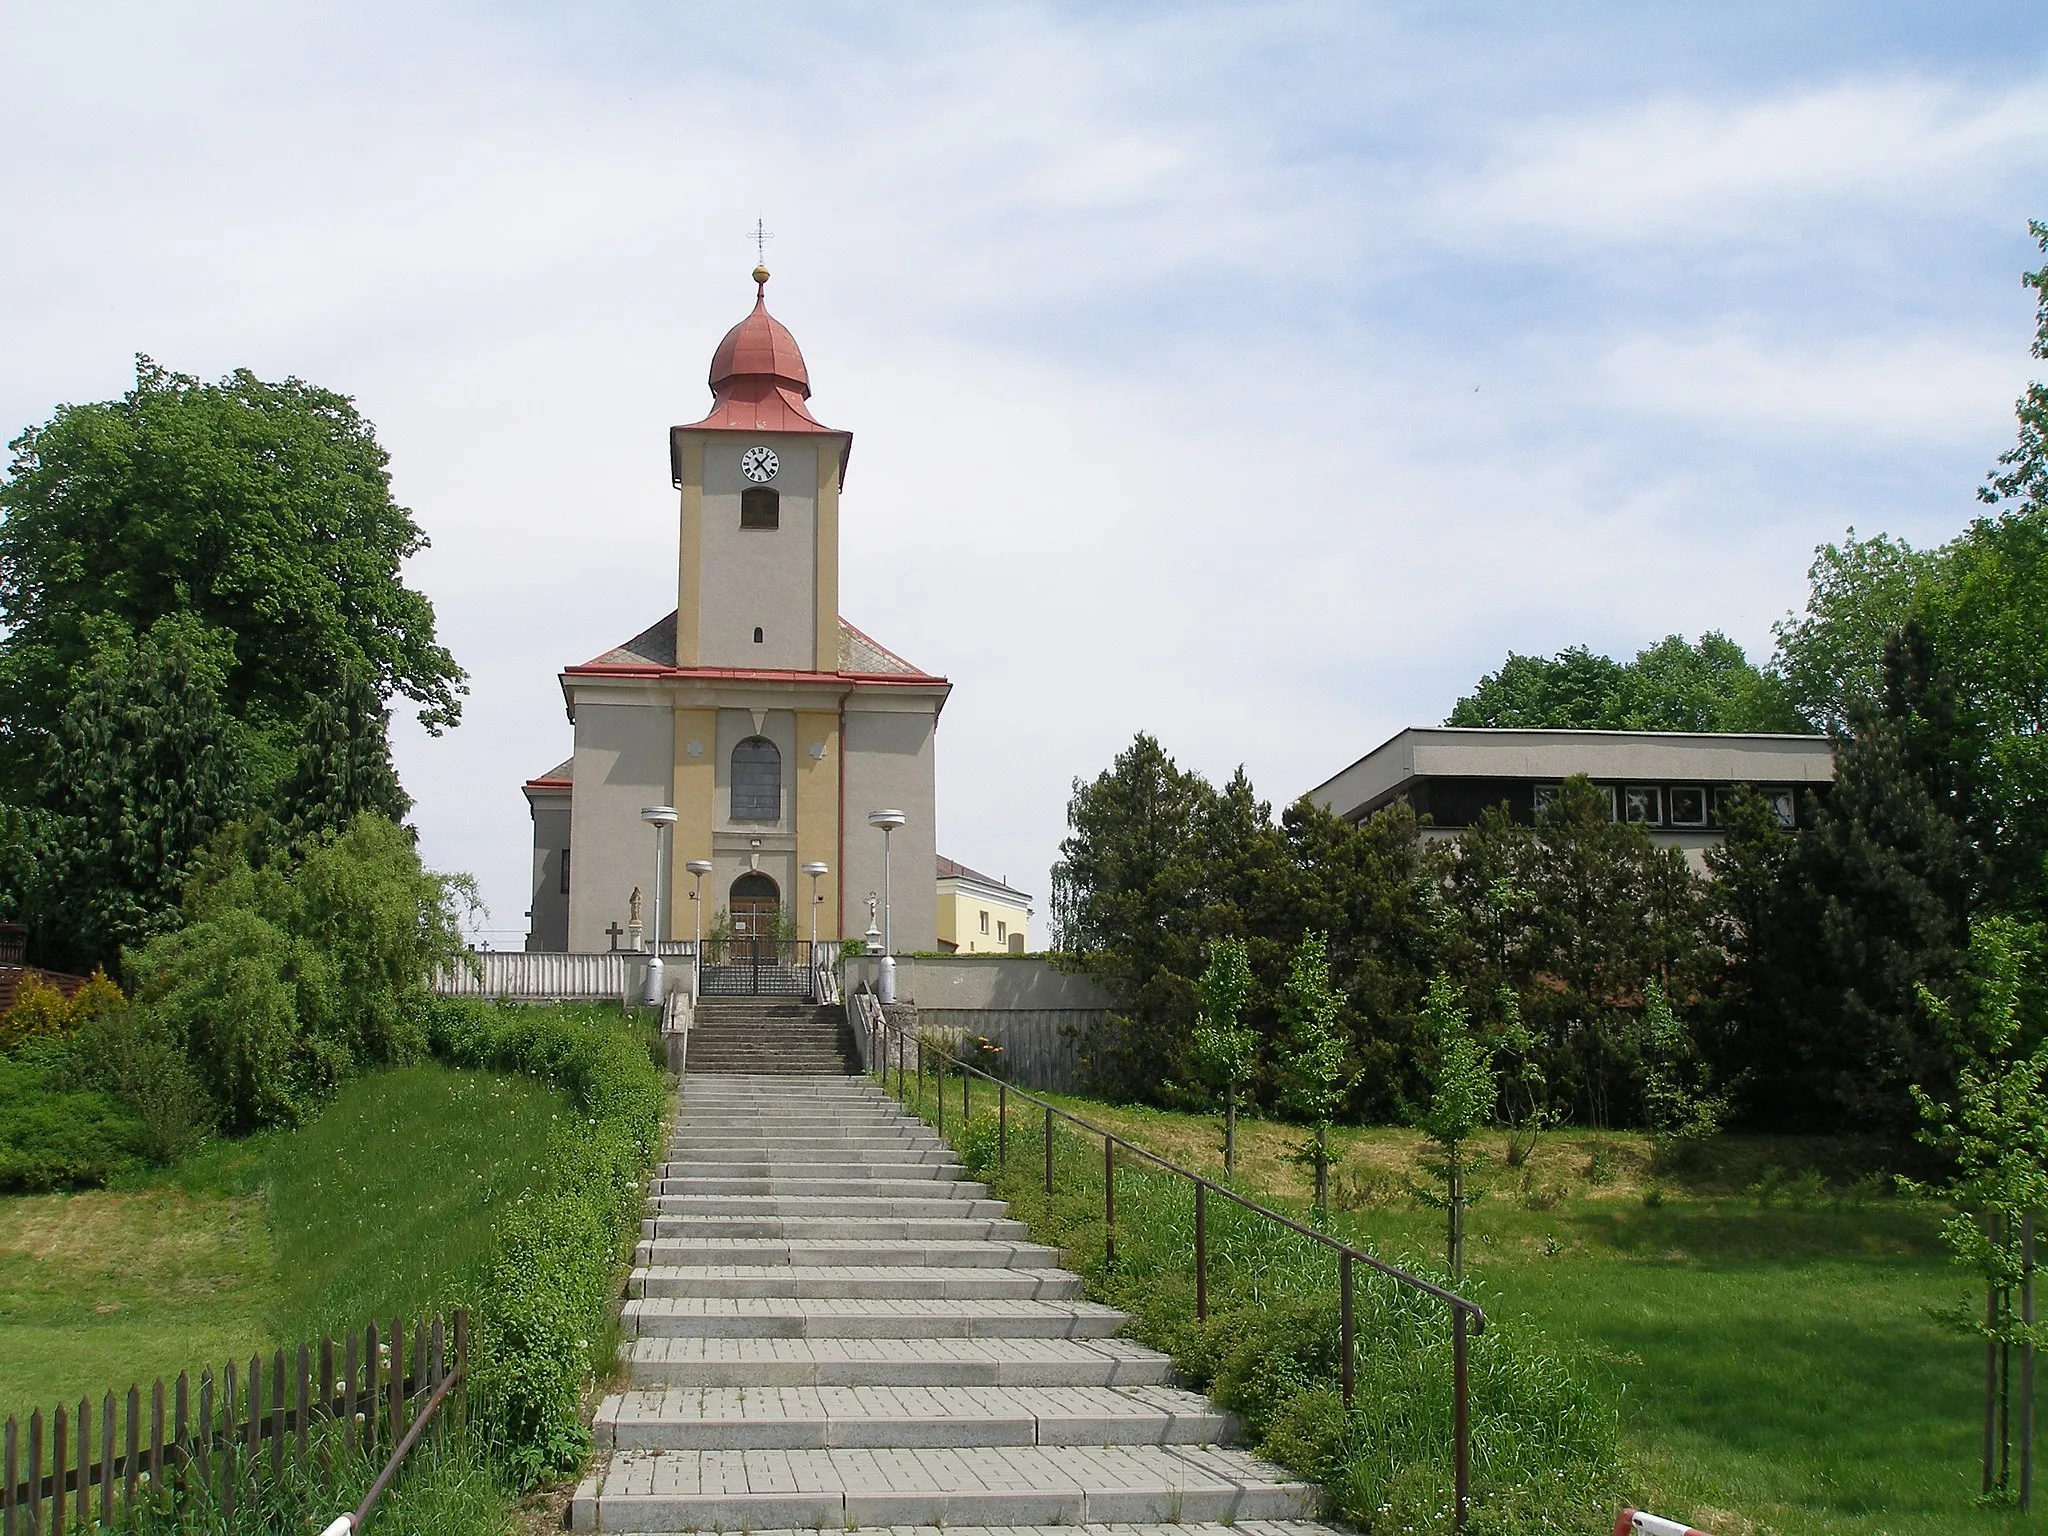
x=756 y=781
x=760 y=507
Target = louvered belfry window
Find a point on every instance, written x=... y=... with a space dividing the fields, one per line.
x=760 y=507
x=756 y=781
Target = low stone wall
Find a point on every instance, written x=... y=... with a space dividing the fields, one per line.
x=1041 y=1046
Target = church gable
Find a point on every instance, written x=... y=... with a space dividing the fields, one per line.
x=860 y=655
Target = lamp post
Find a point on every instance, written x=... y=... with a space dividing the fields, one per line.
x=888 y=821
x=700 y=868
x=817 y=872
x=661 y=818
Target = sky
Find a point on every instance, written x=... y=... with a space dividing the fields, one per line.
x=1257 y=377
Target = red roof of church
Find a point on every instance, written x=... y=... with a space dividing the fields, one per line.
x=758 y=379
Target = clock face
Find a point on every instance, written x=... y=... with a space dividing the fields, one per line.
x=759 y=464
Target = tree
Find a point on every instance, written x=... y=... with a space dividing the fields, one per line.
x=1313 y=1080
x=1677 y=1100
x=262 y=511
x=1461 y=1095
x=1670 y=686
x=1996 y=1133
x=1877 y=901
x=344 y=763
x=1225 y=1052
x=143 y=767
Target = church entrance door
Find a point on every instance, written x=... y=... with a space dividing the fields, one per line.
x=756 y=960
x=756 y=908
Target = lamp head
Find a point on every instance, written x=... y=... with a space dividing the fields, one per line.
x=816 y=870
x=699 y=867
x=658 y=815
x=888 y=821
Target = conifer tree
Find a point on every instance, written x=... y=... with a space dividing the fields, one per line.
x=344 y=763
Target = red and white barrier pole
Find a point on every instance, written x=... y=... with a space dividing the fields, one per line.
x=1641 y=1524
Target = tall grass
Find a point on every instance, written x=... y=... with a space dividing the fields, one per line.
x=387 y=1203
x=1543 y=1437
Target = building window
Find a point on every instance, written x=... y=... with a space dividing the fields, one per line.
x=984 y=922
x=1002 y=933
x=565 y=871
x=1644 y=803
x=1542 y=795
x=1688 y=806
x=756 y=780
x=757 y=634
x=760 y=507
x=1785 y=805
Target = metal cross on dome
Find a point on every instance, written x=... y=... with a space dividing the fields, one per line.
x=760 y=234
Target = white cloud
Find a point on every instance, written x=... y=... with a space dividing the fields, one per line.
x=1685 y=167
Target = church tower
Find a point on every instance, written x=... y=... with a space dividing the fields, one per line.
x=760 y=479
x=771 y=724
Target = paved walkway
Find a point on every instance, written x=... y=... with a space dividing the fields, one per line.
x=829 y=1328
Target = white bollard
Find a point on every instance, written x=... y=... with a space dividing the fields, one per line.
x=1641 y=1524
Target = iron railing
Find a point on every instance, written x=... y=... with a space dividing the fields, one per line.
x=1467 y=1317
x=756 y=966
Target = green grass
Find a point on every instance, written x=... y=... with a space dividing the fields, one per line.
x=1777 y=1358
x=382 y=1204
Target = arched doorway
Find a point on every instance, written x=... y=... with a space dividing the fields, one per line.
x=755 y=904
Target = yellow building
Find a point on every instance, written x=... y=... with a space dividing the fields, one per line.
x=980 y=915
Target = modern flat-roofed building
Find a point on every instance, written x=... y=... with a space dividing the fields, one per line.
x=1672 y=782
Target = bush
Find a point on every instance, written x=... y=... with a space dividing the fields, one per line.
x=41 y=1011
x=545 y=1323
x=297 y=970
x=52 y=1137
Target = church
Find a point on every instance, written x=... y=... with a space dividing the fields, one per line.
x=771 y=725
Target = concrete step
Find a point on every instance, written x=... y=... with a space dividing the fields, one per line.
x=812 y=1229
x=838 y=1137
x=930 y=1253
x=799 y=1418
x=886 y=1281
x=766 y=1173
x=818 y=1152
x=1001 y=1485
x=791 y=1317
x=866 y=1204
x=941 y=1362
x=909 y=1187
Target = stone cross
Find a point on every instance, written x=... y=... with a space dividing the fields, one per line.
x=615 y=933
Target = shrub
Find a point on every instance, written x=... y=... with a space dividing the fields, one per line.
x=545 y=1322
x=296 y=970
x=42 y=1011
x=56 y=1138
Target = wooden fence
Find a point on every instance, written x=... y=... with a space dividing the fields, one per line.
x=216 y=1440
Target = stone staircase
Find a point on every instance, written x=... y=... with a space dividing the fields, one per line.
x=828 y=1328
x=757 y=1035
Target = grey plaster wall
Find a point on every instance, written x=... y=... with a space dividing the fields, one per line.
x=624 y=760
x=987 y=982
x=756 y=577
x=547 y=925
x=1041 y=1046
x=889 y=763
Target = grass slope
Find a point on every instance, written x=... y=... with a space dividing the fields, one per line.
x=383 y=1203
x=1765 y=1318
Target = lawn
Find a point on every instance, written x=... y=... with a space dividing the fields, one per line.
x=382 y=1204
x=1763 y=1314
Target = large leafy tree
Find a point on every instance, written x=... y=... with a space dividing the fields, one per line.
x=1669 y=686
x=262 y=510
x=143 y=767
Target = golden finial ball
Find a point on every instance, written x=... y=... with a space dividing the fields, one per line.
x=760 y=274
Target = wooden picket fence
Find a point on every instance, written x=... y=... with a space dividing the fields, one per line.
x=218 y=1439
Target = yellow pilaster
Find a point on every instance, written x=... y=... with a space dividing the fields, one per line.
x=826 y=556
x=696 y=795
x=817 y=814
x=690 y=563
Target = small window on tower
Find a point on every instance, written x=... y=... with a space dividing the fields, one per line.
x=760 y=507
x=757 y=634
x=565 y=871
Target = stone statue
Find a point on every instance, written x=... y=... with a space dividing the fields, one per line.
x=633 y=903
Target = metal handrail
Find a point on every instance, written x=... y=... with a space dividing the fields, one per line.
x=1464 y=1313
x=343 y=1525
